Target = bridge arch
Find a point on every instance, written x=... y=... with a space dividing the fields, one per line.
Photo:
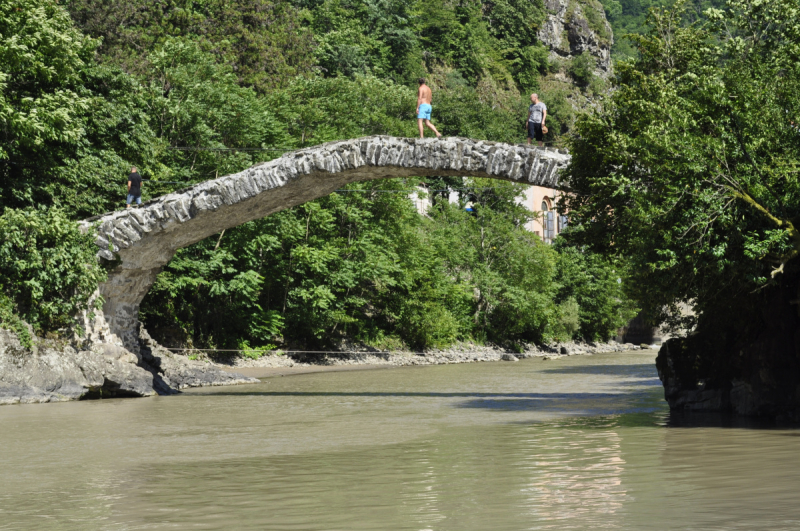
x=139 y=242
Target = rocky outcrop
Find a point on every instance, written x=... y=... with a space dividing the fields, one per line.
x=53 y=372
x=174 y=371
x=743 y=358
x=575 y=27
x=57 y=371
x=137 y=243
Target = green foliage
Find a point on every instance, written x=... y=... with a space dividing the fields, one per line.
x=317 y=109
x=363 y=265
x=690 y=169
x=195 y=102
x=506 y=268
x=11 y=321
x=426 y=324
x=597 y=286
x=401 y=39
x=581 y=68
x=568 y=322
x=68 y=128
x=77 y=111
x=263 y=42
x=254 y=352
x=47 y=267
x=629 y=17
x=364 y=37
x=318 y=271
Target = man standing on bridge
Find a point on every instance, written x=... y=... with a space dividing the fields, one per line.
x=537 y=114
x=134 y=187
x=424 y=98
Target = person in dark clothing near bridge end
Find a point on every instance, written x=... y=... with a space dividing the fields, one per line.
x=134 y=187
x=537 y=114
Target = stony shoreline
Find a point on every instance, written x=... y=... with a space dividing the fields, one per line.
x=461 y=353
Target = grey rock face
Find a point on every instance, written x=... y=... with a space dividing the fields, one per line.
x=141 y=241
x=173 y=372
x=574 y=27
x=57 y=373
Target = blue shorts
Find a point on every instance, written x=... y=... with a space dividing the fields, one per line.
x=425 y=111
x=138 y=199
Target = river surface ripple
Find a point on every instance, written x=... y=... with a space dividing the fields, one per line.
x=573 y=443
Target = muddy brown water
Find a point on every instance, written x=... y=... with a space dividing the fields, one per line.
x=574 y=443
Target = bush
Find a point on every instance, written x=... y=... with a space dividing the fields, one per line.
x=48 y=270
x=581 y=69
x=568 y=322
x=427 y=324
x=11 y=321
x=597 y=285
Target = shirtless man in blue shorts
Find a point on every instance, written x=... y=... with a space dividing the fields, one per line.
x=424 y=108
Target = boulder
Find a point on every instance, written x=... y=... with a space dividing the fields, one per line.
x=746 y=363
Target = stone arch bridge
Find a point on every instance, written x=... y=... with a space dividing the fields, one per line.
x=140 y=241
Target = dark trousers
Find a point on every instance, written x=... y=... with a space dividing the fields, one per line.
x=535 y=131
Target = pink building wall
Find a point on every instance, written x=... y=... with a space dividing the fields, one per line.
x=536 y=199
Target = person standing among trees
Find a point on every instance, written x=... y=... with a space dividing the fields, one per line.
x=134 y=187
x=424 y=98
x=537 y=114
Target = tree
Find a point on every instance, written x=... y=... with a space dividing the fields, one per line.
x=263 y=42
x=340 y=266
x=690 y=169
x=70 y=129
x=597 y=286
x=48 y=271
x=319 y=109
x=196 y=103
x=507 y=268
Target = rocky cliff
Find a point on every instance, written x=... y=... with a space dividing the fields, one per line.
x=575 y=27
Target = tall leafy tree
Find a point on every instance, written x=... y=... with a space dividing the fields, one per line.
x=485 y=245
x=262 y=41
x=691 y=167
x=69 y=127
x=198 y=109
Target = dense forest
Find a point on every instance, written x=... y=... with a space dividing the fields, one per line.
x=191 y=90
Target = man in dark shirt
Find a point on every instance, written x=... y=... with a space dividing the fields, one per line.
x=134 y=187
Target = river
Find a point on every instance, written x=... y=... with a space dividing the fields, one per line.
x=574 y=443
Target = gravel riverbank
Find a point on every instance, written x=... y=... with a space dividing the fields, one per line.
x=461 y=353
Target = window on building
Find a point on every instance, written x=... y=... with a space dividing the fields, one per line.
x=562 y=223
x=548 y=222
